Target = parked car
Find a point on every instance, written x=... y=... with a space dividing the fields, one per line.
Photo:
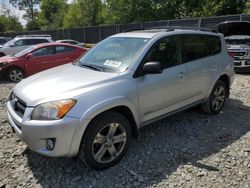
x=69 y=41
x=3 y=40
x=237 y=35
x=93 y=107
x=38 y=58
x=19 y=43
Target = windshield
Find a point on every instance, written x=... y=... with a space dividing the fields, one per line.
x=25 y=51
x=114 y=54
x=238 y=41
x=7 y=44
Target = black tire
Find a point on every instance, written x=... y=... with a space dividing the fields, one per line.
x=2 y=54
x=209 y=106
x=15 y=74
x=94 y=138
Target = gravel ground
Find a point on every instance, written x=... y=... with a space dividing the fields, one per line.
x=188 y=149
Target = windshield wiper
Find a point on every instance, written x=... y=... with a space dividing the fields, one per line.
x=91 y=67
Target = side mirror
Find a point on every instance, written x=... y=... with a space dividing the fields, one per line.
x=153 y=67
x=11 y=45
x=29 y=55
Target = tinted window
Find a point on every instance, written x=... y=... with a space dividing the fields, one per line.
x=44 y=51
x=36 y=41
x=64 y=49
x=21 y=42
x=199 y=46
x=165 y=51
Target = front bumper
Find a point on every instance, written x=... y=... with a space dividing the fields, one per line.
x=34 y=133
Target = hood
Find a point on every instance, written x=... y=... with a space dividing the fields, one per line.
x=233 y=28
x=240 y=47
x=6 y=58
x=67 y=81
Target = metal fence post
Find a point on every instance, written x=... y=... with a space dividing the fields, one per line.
x=100 y=33
x=241 y=17
x=199 y=23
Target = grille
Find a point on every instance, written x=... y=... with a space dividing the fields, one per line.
x=237 y=63
x=18 y=105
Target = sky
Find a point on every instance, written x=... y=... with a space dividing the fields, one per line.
x=15 y=11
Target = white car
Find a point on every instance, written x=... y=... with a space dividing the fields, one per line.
x=19 y=43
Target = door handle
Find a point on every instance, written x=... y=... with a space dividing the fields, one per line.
x=214 y=67
x=181 y=75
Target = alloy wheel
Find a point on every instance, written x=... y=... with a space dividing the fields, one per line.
x=16 y=75
x=219 y=98
x=109 y=143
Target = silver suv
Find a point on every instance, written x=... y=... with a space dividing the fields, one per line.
x=92 y=107
x=19 y=43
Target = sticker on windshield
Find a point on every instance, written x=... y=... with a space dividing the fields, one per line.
x=112 y=63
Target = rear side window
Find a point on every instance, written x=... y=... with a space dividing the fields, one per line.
x=36 y=41
x=64 y=49
x=199 y=46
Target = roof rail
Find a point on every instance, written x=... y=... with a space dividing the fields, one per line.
x=42 y=35
x=172 y=28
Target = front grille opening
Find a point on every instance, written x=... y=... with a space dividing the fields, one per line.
x=18 y=105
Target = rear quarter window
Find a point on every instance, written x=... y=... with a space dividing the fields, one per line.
x=199 y=46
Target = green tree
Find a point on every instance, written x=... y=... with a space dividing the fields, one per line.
x=52 y=13
x=29 y=6
x=10 y=23
x=83 y=13
x=33 y=25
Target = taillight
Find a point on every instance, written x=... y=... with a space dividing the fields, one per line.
x=231 y=54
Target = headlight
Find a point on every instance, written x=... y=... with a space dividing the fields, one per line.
x=3 y=64
x=52 y=110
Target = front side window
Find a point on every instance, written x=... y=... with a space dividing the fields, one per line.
x=113 y=54
x=64 y=49
x=165 y=51
x=45 y=51
x=21 y=42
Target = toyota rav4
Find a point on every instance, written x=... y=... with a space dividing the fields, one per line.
x=94 y=106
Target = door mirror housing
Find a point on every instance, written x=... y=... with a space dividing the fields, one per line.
x=152 y=67
x=28 y=55
x=11 y=45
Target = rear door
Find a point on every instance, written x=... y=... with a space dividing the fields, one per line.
x=200 y=54
x=65 y=54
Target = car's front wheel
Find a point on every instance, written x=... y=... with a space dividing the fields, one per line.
x=217 y=98
x=105 y=141
x=15 y=74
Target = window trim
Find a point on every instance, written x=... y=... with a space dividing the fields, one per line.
x=138 y=73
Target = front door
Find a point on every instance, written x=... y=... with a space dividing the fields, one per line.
x=41 y=59
x=164 y=92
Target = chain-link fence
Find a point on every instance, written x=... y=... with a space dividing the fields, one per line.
x=96 y=33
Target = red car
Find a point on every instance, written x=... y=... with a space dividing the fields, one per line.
x=38 y=58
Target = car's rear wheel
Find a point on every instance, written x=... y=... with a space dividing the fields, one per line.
x=2 y=54
x=15 y=74
x=106 y=141
x=216 y=100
